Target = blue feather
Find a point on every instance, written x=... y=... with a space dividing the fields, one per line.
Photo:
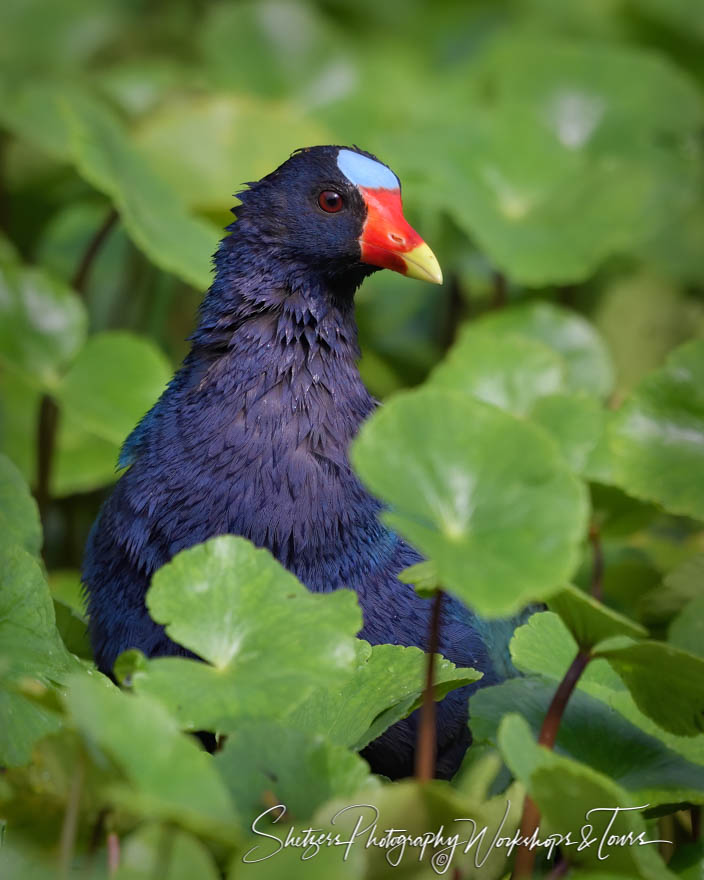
x=251 y=438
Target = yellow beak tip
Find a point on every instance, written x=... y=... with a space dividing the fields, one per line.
x=421 y=263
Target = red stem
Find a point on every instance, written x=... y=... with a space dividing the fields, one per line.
x=113 y=844
x=525 y=857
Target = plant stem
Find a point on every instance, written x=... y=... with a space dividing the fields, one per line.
x=551 y=724
x=427 y=745
x=86 y=262
x=48 y=410
x=597 y=586
x=499 y=297
x=70 y=823
x=525 y=857
x=4 y=208
x=113 y=843
x=46 y=438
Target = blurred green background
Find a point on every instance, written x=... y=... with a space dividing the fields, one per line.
x=547 y=149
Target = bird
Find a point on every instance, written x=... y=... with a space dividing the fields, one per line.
x=251 y=435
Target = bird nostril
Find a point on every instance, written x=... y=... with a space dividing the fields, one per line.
x=396 y=238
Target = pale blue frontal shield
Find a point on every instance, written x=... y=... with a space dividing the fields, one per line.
x=363 y=171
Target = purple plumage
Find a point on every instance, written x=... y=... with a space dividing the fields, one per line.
x=251 y=438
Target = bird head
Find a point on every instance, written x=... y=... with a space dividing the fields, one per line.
x=336 y=210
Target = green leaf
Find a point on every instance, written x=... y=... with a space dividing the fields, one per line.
x=291 y=46
x=72 y=33
x=681 y=585
x=667 y=684
x=174 y=854
x=168 y=774
x=32 y=111
x=207 y=147
x=70 y=234
x=73 y=631
x=288 y=863
x=507 y=370
x=19 y=860
x=65 y=586
x=24 y=724
x=657 y=438
x=151 y=211
x=688 y=860
x=618 y=515
x=643 y=316
x=577 y=423
x=545 y=645
x=19 y=412
x=115 y=379
x=422 y=809
x=687 y=629
x=85 y=461
x=566 y=791
x=267 y=763
x=386 y=685
x=32 y=654
x=482 y=494
x=235 y=606
x=423 y=577
x=596 y=161
x=69 y=607
x=19 y=515
x=42 y=324
x=29 y=643
x=589 y=621
x=589 y=367
x=640 y=763
x=8 y=252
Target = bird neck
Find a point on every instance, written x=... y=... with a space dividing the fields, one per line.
x=257 y=282
x=276 y=392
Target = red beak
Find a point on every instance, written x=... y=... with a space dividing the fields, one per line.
x=388 y=240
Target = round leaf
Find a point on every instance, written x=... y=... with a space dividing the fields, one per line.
x=657 y=438
x=507 y=370
x=589 y=621
x=30 y=649
x=170 y=776
x=179 y=855
x=588 y=361
x=235 y=606
x=481 y=493
x=290 y=45
x=115 y=379
x=387 y=685
x=667 y=684
x=206 y=148
x=151 y=211
x=577 y=423
x=42 y=323
x=83 y=460
x=687 y=629
x=606 y=136
x=565 y=791
x=642 y=764
x=545 y=645
x=19 y=516
x=298 y=769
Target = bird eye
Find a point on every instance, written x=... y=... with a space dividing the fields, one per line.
x=330 y=201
